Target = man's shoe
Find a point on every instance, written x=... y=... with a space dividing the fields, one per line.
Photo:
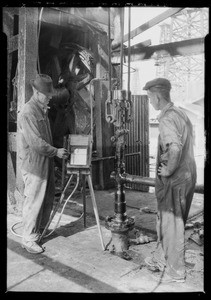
x=32 y=247
x=168 y=279
x=165 y=278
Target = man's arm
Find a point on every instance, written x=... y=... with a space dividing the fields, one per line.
x=171 y=140
x=33 y=137
x=174 y=155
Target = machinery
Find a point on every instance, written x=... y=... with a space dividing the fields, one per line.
x=119 y=224
x=118 y=111
x=118 y=108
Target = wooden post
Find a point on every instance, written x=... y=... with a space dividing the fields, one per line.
x=27 y=68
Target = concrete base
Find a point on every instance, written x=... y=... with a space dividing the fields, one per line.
x=73 y=260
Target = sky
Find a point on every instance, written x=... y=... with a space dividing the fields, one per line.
x=145 y=70
x=140 y=15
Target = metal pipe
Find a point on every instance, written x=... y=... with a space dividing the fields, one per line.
x=109 y=51
x=127 y=178
x=122 y=45
x=102 y=158
x=63 y=163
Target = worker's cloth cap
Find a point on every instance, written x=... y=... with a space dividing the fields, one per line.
x=158 y=83
x=44 y=84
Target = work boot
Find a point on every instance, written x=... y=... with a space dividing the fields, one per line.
x=165 y=278
x=32 y=247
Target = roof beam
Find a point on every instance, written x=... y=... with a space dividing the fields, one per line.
x=181 y=48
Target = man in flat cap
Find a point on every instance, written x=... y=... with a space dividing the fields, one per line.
x=37 y=154
x=175 y=181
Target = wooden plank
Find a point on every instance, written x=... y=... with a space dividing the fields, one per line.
x=99 y=132
x=12 y=141
x=11 y=181
x=27 y=67
x=13 y=43
x=170 y=12
x=99 y=14
x=8 y=24
x=64 y=17
x=12 y=10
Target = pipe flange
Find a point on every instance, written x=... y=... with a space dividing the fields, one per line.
x=113 y=225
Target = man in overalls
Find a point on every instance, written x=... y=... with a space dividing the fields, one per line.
x=175 y=181
x=37 y=168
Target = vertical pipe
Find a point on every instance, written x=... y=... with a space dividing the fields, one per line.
x=139 y=134
x=129 y=29
x=122 y=44
x=136 y=139
x=128 y=88
x=63 y=163
x=91 y=107
x=142 y=139
x=109 y=51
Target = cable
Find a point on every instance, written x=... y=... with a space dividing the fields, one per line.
x=15 y=224
x=64 y=208
x=12 y=229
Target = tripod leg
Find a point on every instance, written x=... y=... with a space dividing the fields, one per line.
x=84 y=197
x=55 y=209
x=95 y=209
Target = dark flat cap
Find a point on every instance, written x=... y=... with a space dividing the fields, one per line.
x=159 y=83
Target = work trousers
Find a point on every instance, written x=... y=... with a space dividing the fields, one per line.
x=174 y=201
x=38 y=203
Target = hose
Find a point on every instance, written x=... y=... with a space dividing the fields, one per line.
x=12 y=228
x=56 y=208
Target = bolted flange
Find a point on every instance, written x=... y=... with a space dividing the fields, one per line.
x=119 y=231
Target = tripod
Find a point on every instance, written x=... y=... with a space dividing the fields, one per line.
x=86 y=175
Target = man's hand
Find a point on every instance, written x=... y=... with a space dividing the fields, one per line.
x=62 y=153
x=163 y=171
